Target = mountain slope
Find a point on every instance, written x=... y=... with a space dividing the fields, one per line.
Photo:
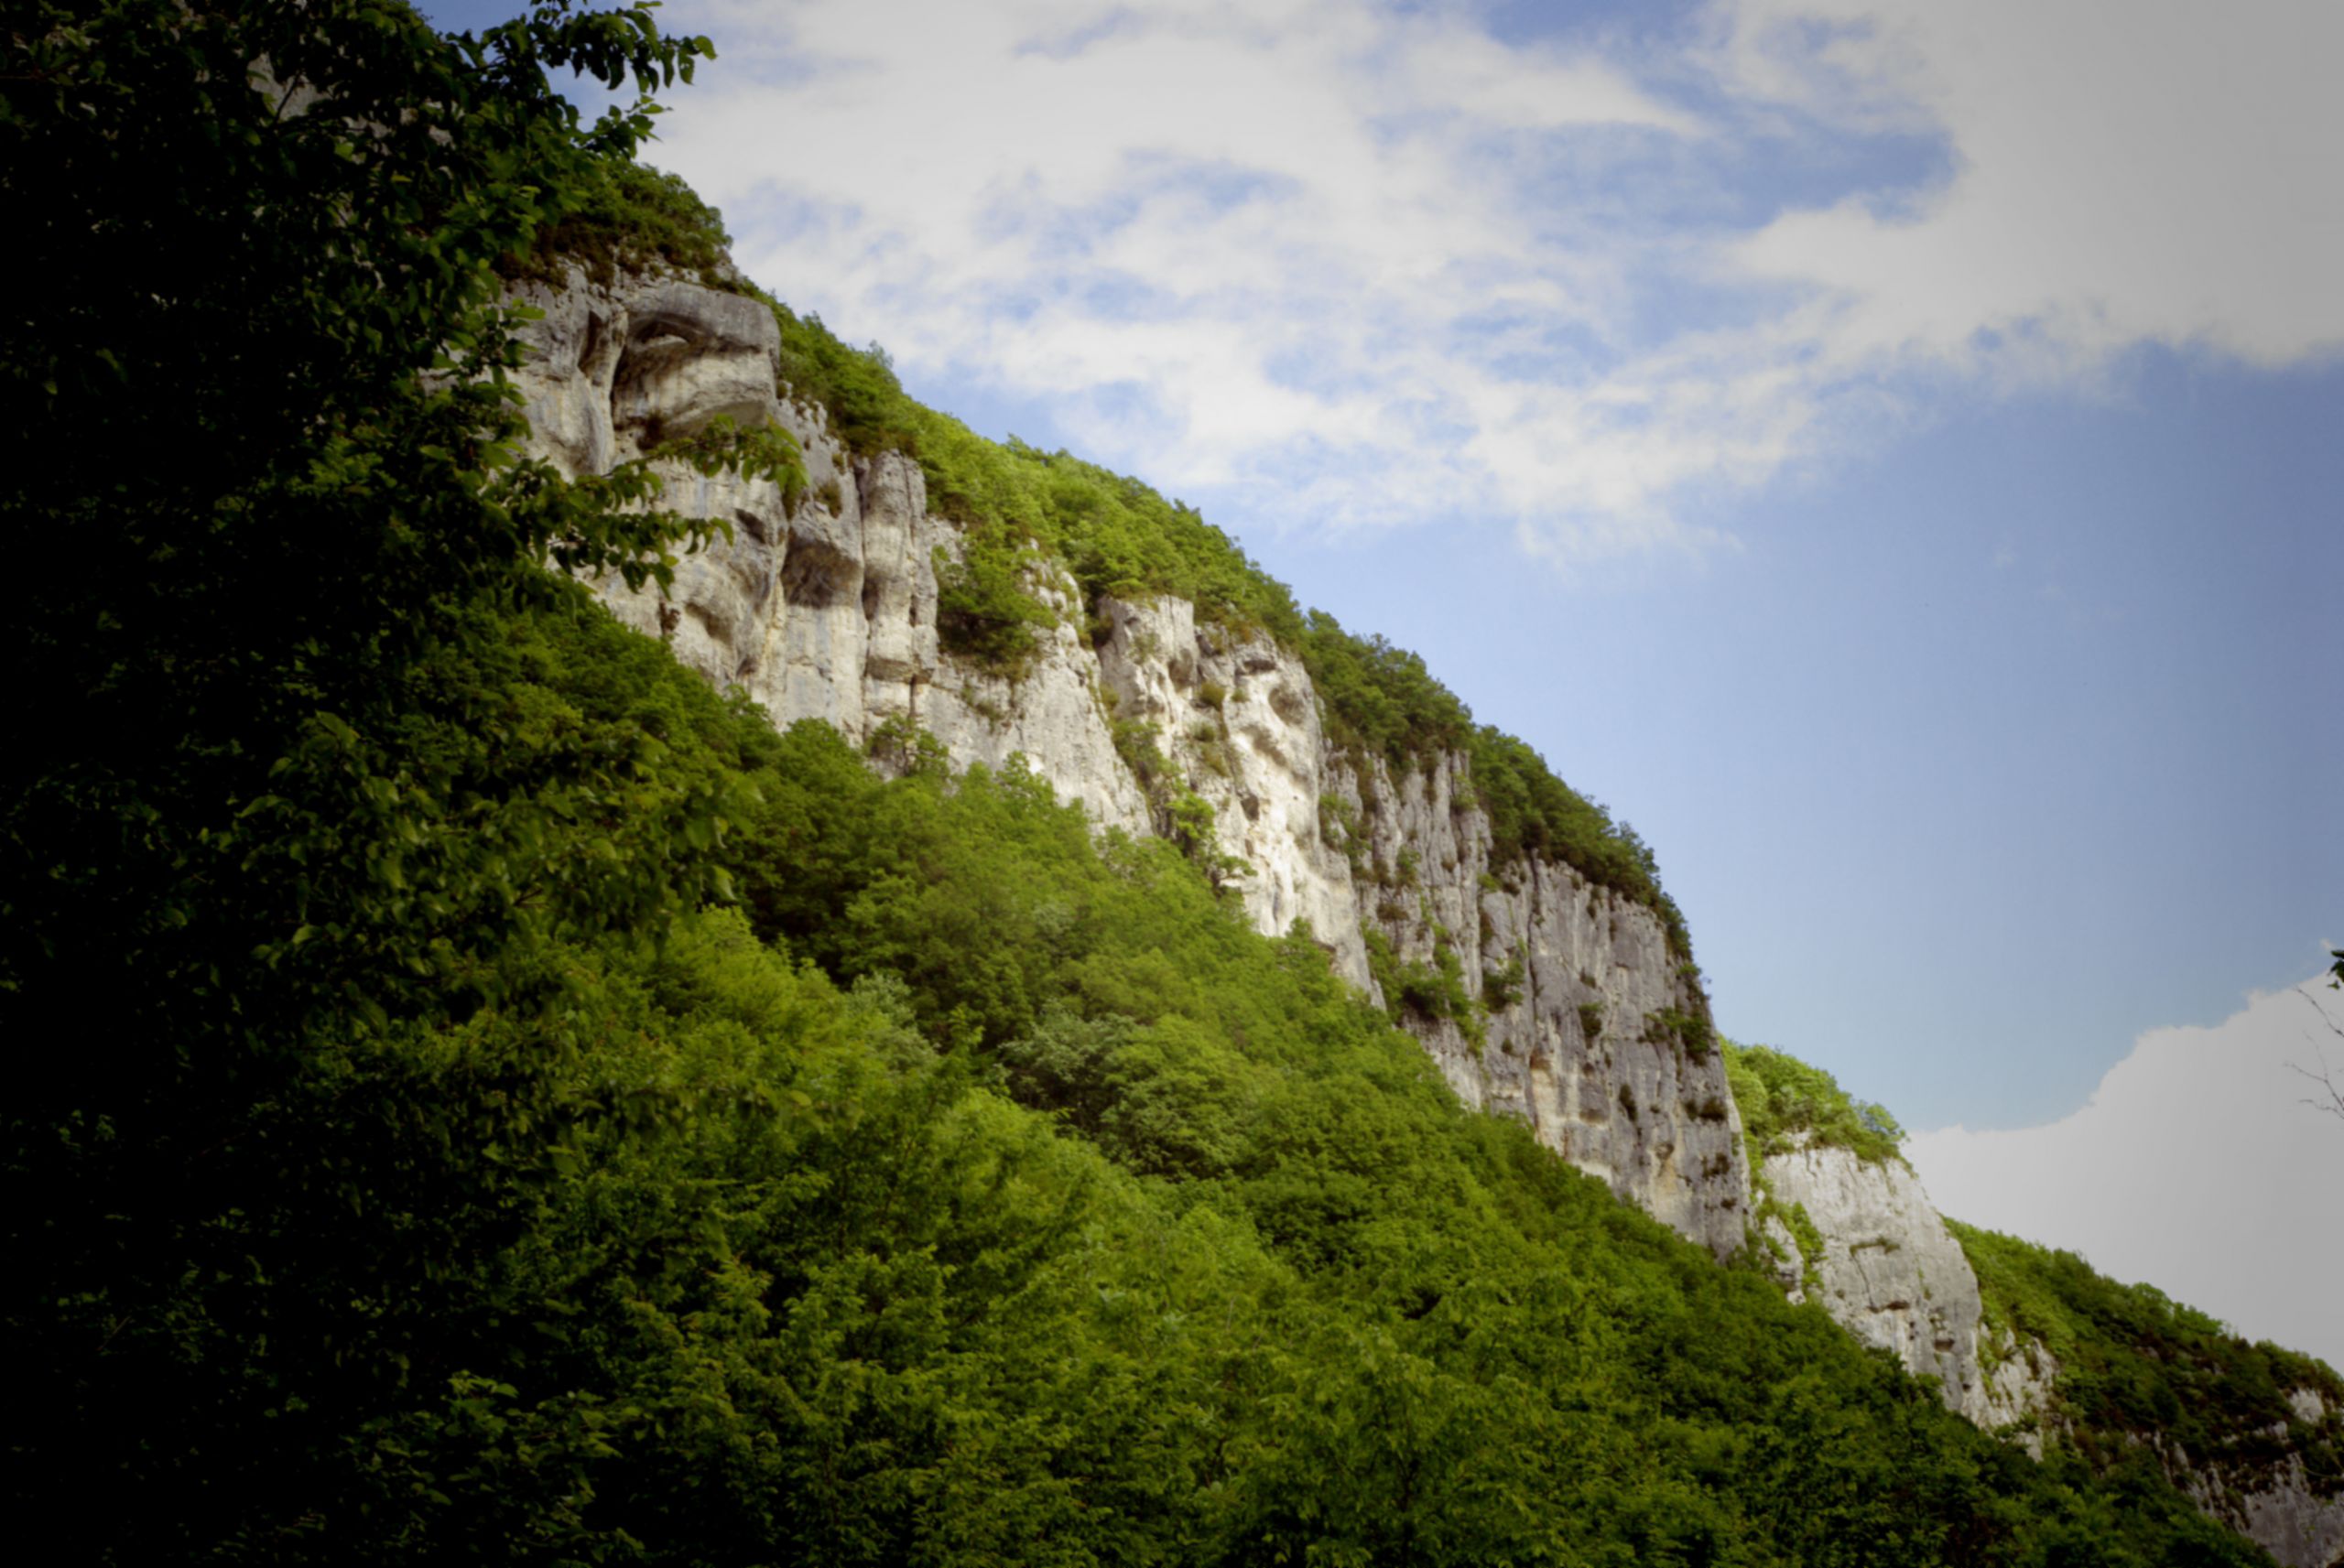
x=1501 y=917
x=483 y=1093
x=1205 y=724
x=2253 y=1432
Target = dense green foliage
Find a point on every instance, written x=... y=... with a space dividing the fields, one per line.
x=1785 y=1104
x=624 y=215
x=1049 y=1209
x=1415 y=989
x=265 y=494
x=485 y=1096
x=2135 y=1367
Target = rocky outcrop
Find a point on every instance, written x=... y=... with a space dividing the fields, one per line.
x=2260 y=1489
x=2275 y=1506
x=1237 y=720
x=822 y=605
x=2017 y=1376
x=1591 y=1030
x=1860 y=1238
x=1887 y=1269
x=2264 y=1490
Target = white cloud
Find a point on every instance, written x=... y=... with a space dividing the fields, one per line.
x=1389 y=269
x=2196 y=1167
x=2156 y=172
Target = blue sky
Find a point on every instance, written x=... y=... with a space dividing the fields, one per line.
x=1893 y=456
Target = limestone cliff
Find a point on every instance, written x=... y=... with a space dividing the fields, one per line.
x=823 y=605
x=2017 y=1375
x=1861 y=1240
x=2264 y=1490
x=1888 y=1270
x=2274 y=1502
x=1582 y=995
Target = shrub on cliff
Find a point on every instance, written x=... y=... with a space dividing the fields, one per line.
x=628 y=215
x=1786 y=1104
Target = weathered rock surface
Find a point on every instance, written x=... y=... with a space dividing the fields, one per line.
x=1237 y=718
x=2268 y=1496
x=826 y=609
x=1889 y=1270
x=2276 y=1507
x=1582 y=984
x=2018 y=1377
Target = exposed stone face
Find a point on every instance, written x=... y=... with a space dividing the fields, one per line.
x=1575 y=1049
x=2269 y=1497
x=1890 y=1270
x=2275 y=1506
x=823 y=610
x=1237 y=718
x=826 y=609
x=2017 y=1376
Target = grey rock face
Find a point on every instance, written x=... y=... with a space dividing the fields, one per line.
x=826 y=609
x=1237 y=719
x=2278 y=1510
x=1890 y=1272
x=2018 y=1377
x=1580 y=980
x=2273 y=1502
x=1892 y=1275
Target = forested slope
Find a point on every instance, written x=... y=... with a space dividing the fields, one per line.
x=482 y=1095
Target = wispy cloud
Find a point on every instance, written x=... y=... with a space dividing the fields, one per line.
x=1385 y=268
x=2137 y=172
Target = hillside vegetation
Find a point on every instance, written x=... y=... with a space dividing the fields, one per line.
x=483 y=1096
x=1785 y=1104
x=2137 y=1370
x=2136 y=1381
